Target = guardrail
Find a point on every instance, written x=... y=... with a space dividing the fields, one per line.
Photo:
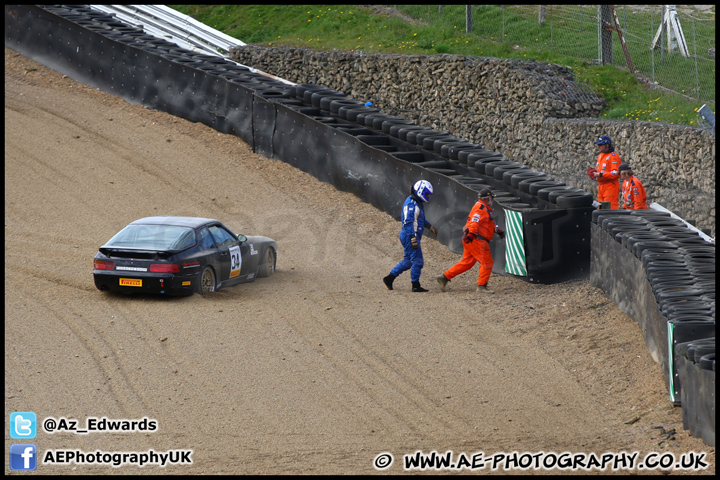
x=183 y=30
x=165 y=22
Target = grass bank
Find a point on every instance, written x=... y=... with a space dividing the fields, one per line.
x=371 y=30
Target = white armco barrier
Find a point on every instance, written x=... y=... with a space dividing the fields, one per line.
x=169 y=24
x=660 y=208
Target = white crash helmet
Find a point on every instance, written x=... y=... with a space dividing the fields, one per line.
x=423 y=189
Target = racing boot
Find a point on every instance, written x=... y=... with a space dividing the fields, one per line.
x=443 y=281
x=484 y=289
x=417 y=288
x=388 y=281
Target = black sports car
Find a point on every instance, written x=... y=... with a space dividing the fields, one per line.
x=180 y=256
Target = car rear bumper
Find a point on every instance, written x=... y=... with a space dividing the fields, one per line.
x=166 y=284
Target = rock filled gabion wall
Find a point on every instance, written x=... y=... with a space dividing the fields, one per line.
x=531 y=112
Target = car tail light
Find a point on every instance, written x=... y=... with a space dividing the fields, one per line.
x=104 y=265
x=164 y=267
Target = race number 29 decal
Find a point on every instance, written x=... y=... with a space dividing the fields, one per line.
x=235 y=261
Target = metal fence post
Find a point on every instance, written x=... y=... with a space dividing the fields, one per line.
x=652 y=50
x=606 y=20
x=695 y=58
x=502 y=8
x=551 y=28
x=599 y=30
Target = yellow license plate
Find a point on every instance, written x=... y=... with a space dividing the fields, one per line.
x=131 y=282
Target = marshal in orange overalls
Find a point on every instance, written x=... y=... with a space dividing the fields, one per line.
x=608 y=180
x=633 y=194
x=480 y=223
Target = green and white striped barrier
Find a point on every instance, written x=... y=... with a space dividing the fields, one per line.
x=514 y=244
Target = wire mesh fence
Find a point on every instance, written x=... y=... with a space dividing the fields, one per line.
x=672 y=48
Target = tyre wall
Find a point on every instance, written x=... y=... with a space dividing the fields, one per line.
x=531 y=112
x=663 y=276
x=550 y=226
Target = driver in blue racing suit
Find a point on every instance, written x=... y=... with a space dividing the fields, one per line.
x=413 y=225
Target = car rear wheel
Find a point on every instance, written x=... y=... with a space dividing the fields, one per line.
x=267 y=268
x=207 y=281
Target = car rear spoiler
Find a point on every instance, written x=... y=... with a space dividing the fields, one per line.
x=136 y=252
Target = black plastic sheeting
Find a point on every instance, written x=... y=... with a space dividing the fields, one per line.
x=662 y=275
x=696 y=371
x=337 y=157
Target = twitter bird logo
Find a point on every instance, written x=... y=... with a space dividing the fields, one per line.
x=23 y=425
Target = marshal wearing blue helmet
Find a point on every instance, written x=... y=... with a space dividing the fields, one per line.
x=413 y=224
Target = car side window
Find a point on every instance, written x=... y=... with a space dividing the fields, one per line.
x=222 y=237
x=186 y=240
x=205 y=240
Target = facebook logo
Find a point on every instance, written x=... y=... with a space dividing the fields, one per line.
x=23 y=425
x=23 y=456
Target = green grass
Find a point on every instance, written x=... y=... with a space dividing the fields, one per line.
x=355 y=28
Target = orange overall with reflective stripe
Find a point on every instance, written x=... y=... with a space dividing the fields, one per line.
x=481 y=223
x=608 y=181
x=633 y=195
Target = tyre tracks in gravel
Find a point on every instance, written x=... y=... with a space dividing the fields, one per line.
x=412 y=370
x=114 y=165
x=119 y=164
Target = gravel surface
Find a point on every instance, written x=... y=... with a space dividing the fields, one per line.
x=315 y=370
